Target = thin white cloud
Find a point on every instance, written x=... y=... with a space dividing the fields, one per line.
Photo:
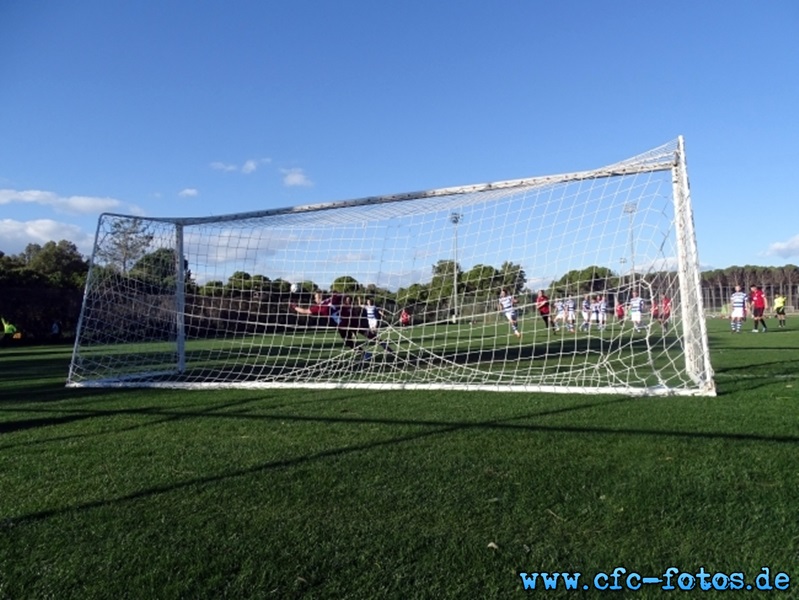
x=221 y=166
x=188 y=193
x=16 y=235
x=74 y=205
x=351 y=257
x=295 y=177
x=785 y=249
x=249 y=166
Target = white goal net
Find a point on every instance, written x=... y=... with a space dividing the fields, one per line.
x=580 y=282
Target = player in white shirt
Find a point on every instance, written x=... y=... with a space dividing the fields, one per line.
x=571 y=317
x=372 y=315
x=560 y=314
x=636 y=308
x=586 y=313
x=738 y=301
x=507 y=306
x=602 y=312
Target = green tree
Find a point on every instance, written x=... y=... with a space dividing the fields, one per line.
x=481 y=278
x=125 y=243
x=512 y=276
x=446 y=274
x=414 y=294
x=585 y=281
x=61 y=263
x=260 y=283
x=212 y=288
x=15 y=272
x=345 y=285
x=158 y=269
x=281 y=286
x=54 y=264
x=307 y=286
x=238 y=283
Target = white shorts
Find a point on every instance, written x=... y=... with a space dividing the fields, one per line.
x=372 y=323
x=737 y=313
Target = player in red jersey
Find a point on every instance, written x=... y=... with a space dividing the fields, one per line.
x=665 y=311
x=338 y=308
x=348 y=319
x=542 y=304
x=758 y=305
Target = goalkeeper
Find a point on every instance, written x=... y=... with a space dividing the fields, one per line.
x=339 y=310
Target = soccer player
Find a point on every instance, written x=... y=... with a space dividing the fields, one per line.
x=620 y=312
x=779 y=309
x=571 y=317
x=586 y=313
x=507 y=305
x=405 y=318
x=8 y=331
x=758 y=304
x=654 y=313
x=738 y=303
x=598 y=310
x=603 y=312
x=373 y=315
x=542 y=304
x=560 y=314
x=338 y=309
x=636 y=306
x=665 y=312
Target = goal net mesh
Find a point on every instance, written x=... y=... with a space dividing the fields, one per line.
x=225 y=301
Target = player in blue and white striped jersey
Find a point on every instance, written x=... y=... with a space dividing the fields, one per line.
x=507 y=305
x=372 y=315
x=586 y=310
x=560 y=314
x=571 y=317
x=636 y=308
x=738 y=302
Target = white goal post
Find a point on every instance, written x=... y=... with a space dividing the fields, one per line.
x=478 y=287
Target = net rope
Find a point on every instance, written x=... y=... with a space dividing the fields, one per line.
x=441 y=256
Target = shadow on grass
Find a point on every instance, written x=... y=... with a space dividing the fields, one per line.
x=85 y=414
x=432 y=428
x=34 y=369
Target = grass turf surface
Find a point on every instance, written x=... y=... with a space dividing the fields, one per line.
x=357 y=494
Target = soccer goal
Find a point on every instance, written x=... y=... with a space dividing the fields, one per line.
x=584 y=282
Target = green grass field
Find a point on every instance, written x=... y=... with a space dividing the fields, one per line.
x=481 y=352
x=127 y=493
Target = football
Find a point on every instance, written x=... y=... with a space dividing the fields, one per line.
x=295 y=287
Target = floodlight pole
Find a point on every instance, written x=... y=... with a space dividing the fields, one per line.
x=630 y=209
x=622 y=262
x=455 y=218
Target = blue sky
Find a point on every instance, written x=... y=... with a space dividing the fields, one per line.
x=184 y=108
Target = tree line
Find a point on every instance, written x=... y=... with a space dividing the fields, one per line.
x=45 y=283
